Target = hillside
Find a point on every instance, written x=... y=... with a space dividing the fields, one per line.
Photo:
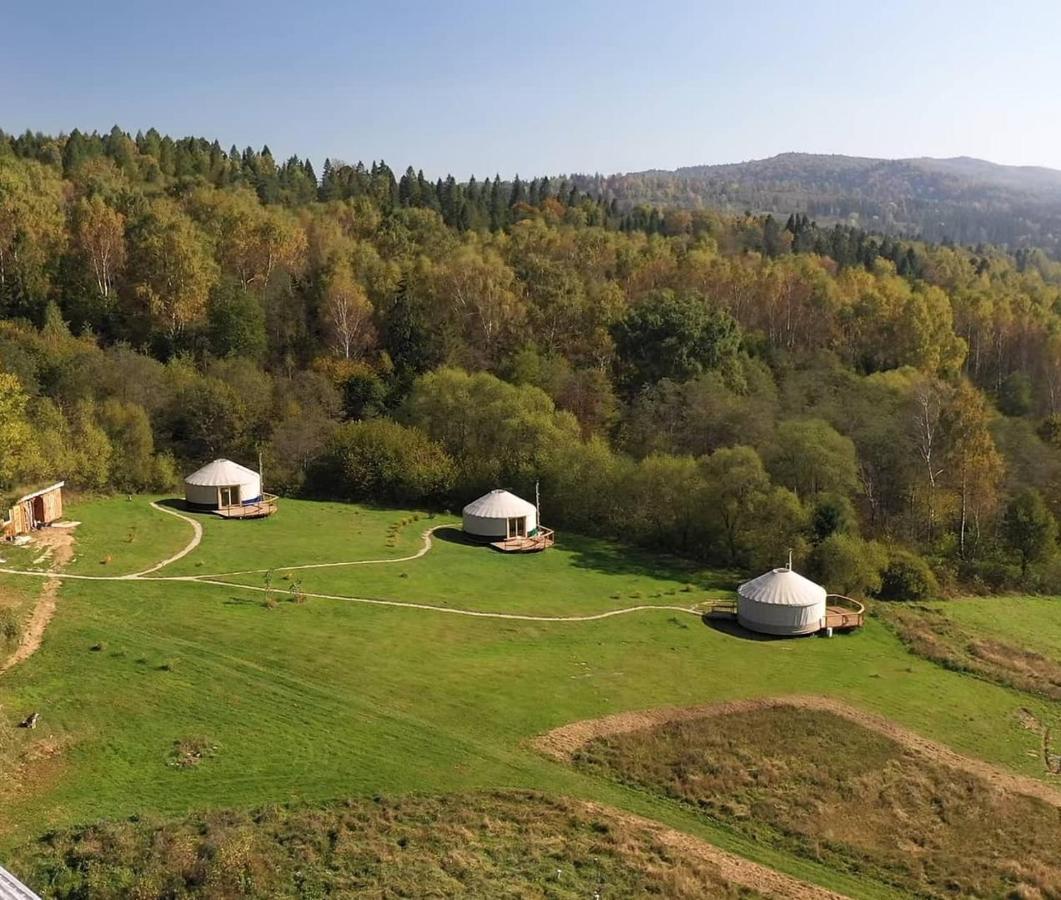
x=966 y=200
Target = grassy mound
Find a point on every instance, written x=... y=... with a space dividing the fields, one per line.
x=482 y=845
x=827 y=789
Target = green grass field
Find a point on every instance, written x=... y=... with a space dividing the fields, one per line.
x=334 y=698
x=1033 y=623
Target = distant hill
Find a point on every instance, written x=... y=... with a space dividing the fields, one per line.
x=960 y=199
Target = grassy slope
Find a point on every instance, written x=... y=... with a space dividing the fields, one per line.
x=120 y=535
x=580 y=575
x=481 y=845
x=333 y=699
x=829 y=789
x=301 y=532
x=1033 y=623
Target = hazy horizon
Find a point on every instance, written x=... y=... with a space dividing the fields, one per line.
x=547 y=88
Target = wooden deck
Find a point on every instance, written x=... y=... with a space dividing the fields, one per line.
x=259 y=510
x=541 y=540
x=841 y=613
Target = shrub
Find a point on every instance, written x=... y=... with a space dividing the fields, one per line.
x=10 y=627
x=379 y=459
x=907 y=577
x=848 y=565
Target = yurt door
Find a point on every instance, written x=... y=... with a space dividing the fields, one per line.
x=517 y=526
x=229 y=496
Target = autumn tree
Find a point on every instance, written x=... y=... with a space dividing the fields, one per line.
x=17 y=450
x=348 y=312
x=99 y=235
x=174 y=270
x=973 y=467
x=31 y=232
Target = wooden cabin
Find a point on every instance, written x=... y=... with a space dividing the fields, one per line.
x=34 y=510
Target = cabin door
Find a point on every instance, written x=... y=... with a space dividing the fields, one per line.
x=517 y=526
x=228 y=496
x=38 y=511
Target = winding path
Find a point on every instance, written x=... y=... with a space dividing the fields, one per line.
x=62 y=546
x=197 y=536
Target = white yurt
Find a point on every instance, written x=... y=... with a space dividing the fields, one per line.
x=221 y=484
x=781 y=602
x=499 y=515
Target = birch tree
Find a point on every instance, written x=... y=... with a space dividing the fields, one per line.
x=99 y=235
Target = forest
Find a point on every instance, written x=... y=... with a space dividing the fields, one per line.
x=963 y=200
x=716 y=387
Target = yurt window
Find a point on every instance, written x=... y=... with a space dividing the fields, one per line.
x=229 y=496
x=517 y=526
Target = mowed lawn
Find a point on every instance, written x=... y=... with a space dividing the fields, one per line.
x=301 y=532
x=333 y=698
x=579 y=576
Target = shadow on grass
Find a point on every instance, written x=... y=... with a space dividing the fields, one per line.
x=733 y=628
x=181 y=505
x=243 y=601
x=451 y=534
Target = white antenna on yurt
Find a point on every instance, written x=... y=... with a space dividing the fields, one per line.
x=790 y=559
x=261 y=475
x=537 y=504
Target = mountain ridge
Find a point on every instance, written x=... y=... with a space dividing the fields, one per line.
x=962 y=198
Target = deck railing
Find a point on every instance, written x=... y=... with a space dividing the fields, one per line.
x=264 y=506
x=540 y=540
x=843 y=612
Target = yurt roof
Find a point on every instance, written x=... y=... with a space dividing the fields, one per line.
x=221 y=472
x=783 y=587
x=499 y=504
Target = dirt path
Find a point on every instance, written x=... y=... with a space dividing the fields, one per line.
x=197 y=536
x=425 y=547
x=562 y=742
x=734 y=869
x=146 y=575
x=60 y=541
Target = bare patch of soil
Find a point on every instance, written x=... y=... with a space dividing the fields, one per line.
x=58 y=546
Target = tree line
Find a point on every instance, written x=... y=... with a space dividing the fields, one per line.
x=723 y=387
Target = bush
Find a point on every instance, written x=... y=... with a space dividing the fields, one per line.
x=907 y=577
x=848 y=565
x=378 y=459
x=10 y=628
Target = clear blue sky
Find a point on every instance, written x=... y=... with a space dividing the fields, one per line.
x=547 y=87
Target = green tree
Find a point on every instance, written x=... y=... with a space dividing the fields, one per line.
x=174 y=270
x=381 y=460
x=846 y=564
x=235 y=321
x=672 y=335
x=18 y=454
x=907 y=577
x=1029 y=529
x=809 y=455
